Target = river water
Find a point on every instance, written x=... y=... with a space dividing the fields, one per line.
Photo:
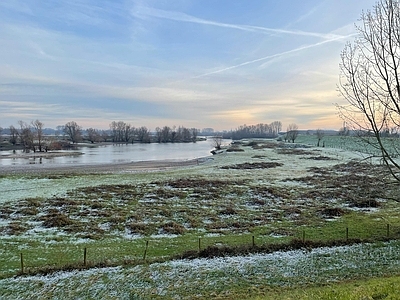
x=121 y=153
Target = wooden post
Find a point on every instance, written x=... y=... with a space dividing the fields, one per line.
x=388 y=230
x=253 y=241
x=145 y=250
x=347 y=233
x=199 y=244
x=84 y=256
x=304 y=236
x=22 y=264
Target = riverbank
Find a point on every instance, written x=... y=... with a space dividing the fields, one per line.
x=141 y=166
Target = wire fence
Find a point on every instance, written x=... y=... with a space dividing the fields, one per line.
x=206 y=247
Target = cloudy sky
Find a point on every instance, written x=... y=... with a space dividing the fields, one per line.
x=195 y=63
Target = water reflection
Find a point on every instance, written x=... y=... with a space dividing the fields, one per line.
x=120 y=154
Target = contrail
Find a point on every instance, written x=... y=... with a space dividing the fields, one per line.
x=273 y=56
x=182 y=17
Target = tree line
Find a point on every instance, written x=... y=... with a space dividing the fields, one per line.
x=255 y=131
x=30 y=136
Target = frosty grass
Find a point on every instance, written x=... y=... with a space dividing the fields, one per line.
x=200 y=277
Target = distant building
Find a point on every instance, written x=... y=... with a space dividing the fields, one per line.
x=207 y=131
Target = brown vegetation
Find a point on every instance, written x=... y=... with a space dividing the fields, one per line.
x=249 y=166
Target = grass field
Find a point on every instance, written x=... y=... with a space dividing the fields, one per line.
x=266 y=193
x=362 y=146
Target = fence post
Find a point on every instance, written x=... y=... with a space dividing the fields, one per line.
x=145 y=250
x=304 y=236
x=347 y=233
x=199 y=244
x=388 y=230
x=84 y=256
x=22 y=263
x=253 y=242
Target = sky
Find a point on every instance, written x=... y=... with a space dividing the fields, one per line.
x=192 y=63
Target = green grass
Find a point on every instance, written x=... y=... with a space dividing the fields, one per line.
x=375 y=288
x=310 y=274
x=59 y=252
x=351 y=143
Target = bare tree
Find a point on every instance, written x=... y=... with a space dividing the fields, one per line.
x=38 y=133
x=166 y=133
x=216 y=142
x=104 y=135
x=143 y=134
x=195 y=133
x=13 y=135
x=159 y=134
x=185 y=134
x=93 y=135
x=73 y=131
x=320 y=135
x=121 y=132
x=128 y=131
x=26 y=136
x=370 y=80
x=276 y=127
x=292 y=132
x=114 y=131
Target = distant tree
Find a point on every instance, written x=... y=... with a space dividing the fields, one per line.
x=217 y=142
x=320 y=135
x=1 y=130
x=142 y=134
x=166 y=134
x=285 y=137
x=104 y=135
x=276 y=127
x=175 y=134
x=158 y=134
x=13 y=135
x=194 y=132
x=38 y=133
x=59 y=130
x=93 y=135
x=128 y=131
x=185 y=134
x=292 y=132
x=73 y=131
x=121 y=132
x=115 y=132
x=26 y=136
x=255 y=131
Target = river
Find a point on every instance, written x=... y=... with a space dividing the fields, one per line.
x=121 y=153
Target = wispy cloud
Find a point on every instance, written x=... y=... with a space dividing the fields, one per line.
x=144 y=11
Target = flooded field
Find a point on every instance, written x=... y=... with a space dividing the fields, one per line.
x=269 y=191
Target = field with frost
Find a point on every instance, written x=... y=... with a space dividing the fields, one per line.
x=136 y=224
x=223 y=277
